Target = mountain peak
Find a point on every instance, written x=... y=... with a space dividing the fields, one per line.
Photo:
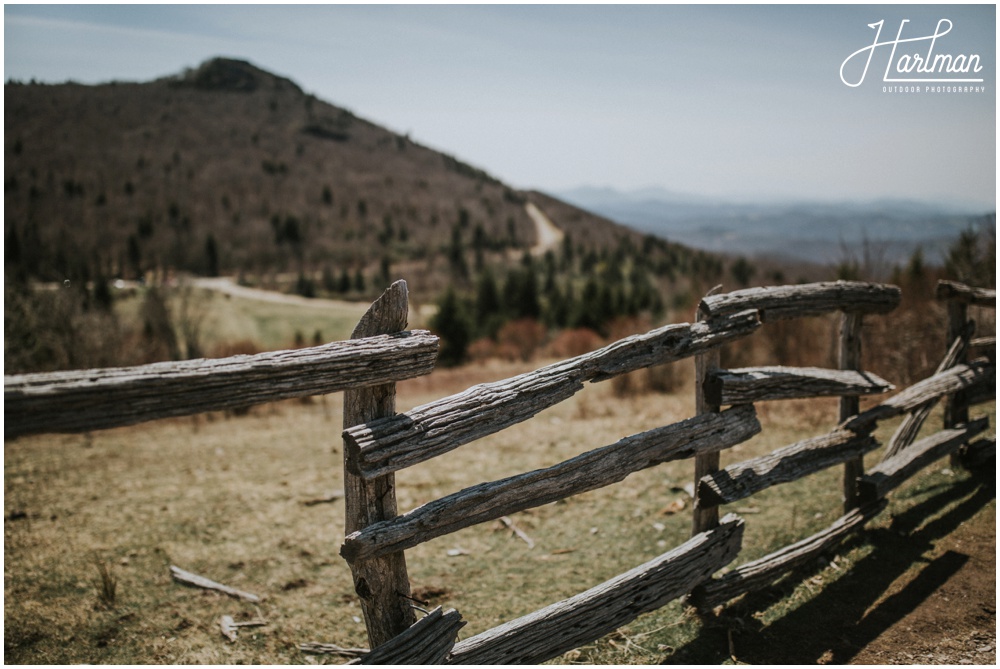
x=231 y=74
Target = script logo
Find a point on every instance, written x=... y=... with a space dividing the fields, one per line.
x=948 y=68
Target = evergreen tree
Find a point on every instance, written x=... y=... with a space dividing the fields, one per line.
x=451 y=323
x=520 y=294
x=456 y=254
x=743 y=272
x=135 y=256
x=972 y=260
x=479 y=243
x=488 y=312
x=566 y=257
x=385 y=271
x=329 y=281
x=344 y=283
x=305 y=286
x=211 y=255
x=586 y=309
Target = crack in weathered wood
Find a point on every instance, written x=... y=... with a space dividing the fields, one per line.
x=427 y=641
x=588 y=471
x=390 y=444
x=84 y=400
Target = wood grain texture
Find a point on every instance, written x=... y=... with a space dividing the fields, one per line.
x=810 y=299
x=591 y=470
x=953 y=290
x=931 y=389
x=382 y=584
x=890 y=474
x=427 y=641
x=764 y=571
x=560 y=627
x=790 y=463
x=987 y=344
x=94 y=399
x=390 y=444
x=759 y=384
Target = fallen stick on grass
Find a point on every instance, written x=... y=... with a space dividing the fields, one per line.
x=187 y=578
x=518 y=531
x=333 y=497
x=331 y=649
x=230 y=626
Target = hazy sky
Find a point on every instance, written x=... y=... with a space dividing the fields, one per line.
x=738 y=101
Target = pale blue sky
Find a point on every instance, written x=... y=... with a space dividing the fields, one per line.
x=736 y=101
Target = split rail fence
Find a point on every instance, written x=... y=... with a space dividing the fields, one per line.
x=379 y=442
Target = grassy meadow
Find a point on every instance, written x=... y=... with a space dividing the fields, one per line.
x=225 y=322
x=230 y=498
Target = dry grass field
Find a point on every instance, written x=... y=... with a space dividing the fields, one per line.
x=93 y=522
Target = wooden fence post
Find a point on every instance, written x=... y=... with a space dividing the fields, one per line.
x=956 y=408
x=381 y=583
x=849 y=357
x=704 y=463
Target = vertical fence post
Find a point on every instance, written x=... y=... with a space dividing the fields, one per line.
x=956 y=408
x=849 y=357
x=381 y=583
x=704 y=463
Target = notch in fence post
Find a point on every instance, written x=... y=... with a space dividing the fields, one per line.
x=381 y=583
x=849 y=357
x=704 y=463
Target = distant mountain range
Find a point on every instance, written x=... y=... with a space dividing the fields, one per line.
x=819 y=232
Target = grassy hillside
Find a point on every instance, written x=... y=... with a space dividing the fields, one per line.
x=227 y=168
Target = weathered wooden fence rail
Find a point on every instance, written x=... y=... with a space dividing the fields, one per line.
x=79 y=401
x=379 y=442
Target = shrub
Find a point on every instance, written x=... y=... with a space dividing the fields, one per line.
x=231 y=348
x=522 y=338
x=574 y=342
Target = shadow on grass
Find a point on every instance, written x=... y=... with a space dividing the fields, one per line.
x=839 y=621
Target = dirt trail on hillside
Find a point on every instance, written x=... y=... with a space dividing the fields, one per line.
x=227 y=286
x=549 y=236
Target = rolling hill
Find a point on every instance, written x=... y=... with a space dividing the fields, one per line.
x=226 y=168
